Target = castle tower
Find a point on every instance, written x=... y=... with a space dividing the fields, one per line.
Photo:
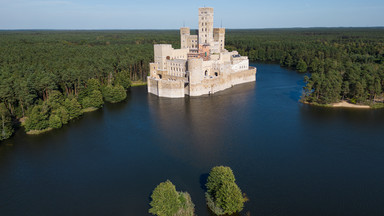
x=195 y=68
x=205 y=26
x=219 y=38
x=184 y=37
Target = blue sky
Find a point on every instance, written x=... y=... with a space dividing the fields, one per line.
x=164 y=14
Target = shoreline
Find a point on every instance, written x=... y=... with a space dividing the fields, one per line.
x=37 y=132
x=342 y=104
x=345 y=104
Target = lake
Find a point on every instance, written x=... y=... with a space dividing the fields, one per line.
x=289 y=158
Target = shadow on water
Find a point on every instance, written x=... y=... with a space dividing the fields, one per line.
x=203 y=181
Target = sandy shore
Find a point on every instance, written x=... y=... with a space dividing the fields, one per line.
x=349 y=105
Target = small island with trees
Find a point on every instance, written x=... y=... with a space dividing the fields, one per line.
x=223 y=196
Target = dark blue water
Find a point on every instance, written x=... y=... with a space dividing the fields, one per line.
x=289 y=158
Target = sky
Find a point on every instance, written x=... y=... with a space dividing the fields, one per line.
x=173 y=14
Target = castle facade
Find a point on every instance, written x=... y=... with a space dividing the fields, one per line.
x=202 y=65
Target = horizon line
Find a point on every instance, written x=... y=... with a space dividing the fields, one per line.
x=172 y=29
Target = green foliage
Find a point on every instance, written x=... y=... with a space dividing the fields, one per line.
x=55 y=65
x=301 y=66
x=353 y=55
x=55 y=121
x=187 y=208
x=93 y=85
x=229 y=198
x=62 y=113
x=212 y=205
x=73 y=108
x=114 y=94
x=123 y=79
x=165 y=200
x=6 y=129
x=223 y=195
x=94 y=99
x=217 y=176
x=55 y=99
x=38 y=119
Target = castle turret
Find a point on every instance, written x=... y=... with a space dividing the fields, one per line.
x=195 y=68
x=219 y=38
x=162 y=54
x=184 y=37
x=153 y=69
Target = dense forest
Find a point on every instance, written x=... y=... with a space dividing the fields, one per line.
x=345 y=63
x=48 y=78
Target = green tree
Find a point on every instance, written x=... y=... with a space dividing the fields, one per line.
x=230 y=198
x=114 y=94
x=94 y=99
x=6 y=129
x=377 y=87
x=123 y=79
x=93 y=84
x=166 y=201
x=187 y=207
x=73 y=107
x=217 y=176
x=62 y=113
x=55 y=121
x=301 y=66
x=345 y=89
x=223 y=195
x=38 y=119
x=55 y=99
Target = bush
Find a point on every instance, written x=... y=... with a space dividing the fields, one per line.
x=114 y=94
x=55 y=122
x=94 y=99
x=73 y=107
x=62 y=113
x=38 y=119
x=223 y=195
x=166 y=201
x=187 y=206
x=302 y=66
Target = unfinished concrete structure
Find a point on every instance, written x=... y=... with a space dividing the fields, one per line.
x=201 y=66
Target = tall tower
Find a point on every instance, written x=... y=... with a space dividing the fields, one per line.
x=184 y=37
x=205 y=26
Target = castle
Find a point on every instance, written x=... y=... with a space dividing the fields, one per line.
x=202 y=65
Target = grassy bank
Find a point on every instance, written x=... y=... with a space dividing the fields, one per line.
x=36 y=132
x=89 y=109
x=138 y=83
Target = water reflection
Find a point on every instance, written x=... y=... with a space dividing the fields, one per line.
x=192 y=127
